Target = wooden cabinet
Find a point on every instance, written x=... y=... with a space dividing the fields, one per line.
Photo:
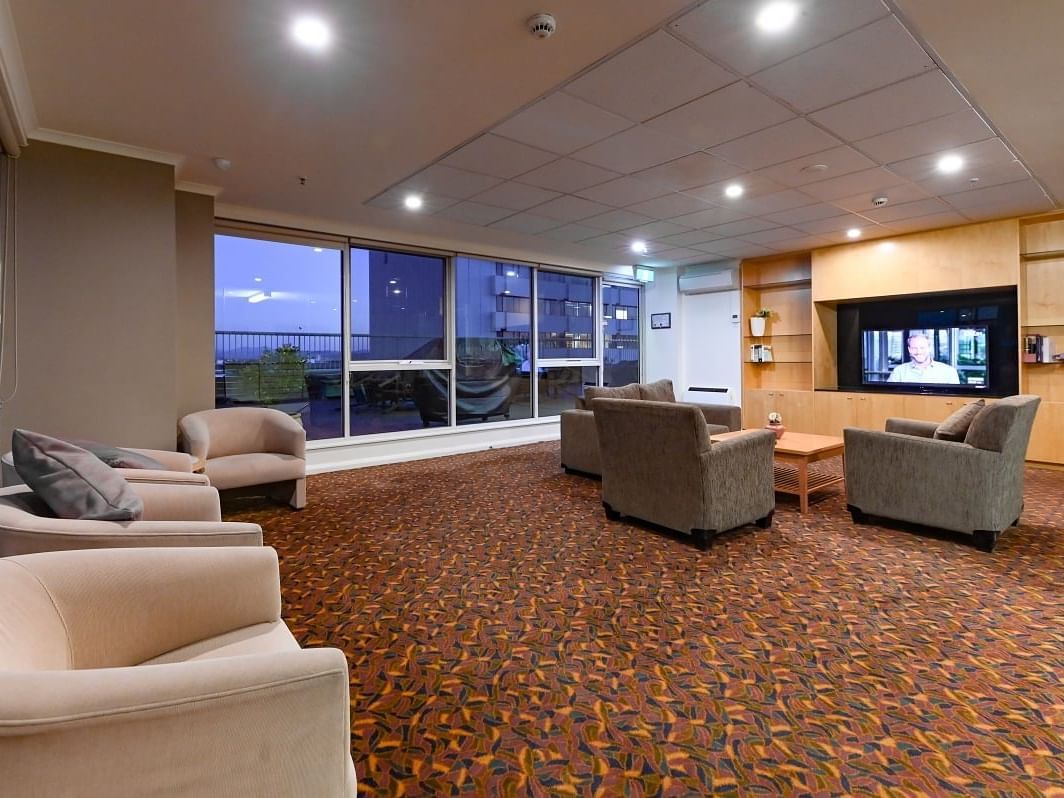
x=796 y=407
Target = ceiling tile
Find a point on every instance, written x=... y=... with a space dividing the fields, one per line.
x=637 y=148
x=562 y=124
x=954 y=130
x=515 y=196
x=526 y=223
x=776 y=202
x=617 y=241
x=866 y=59
x=930 y=222
x=653 y=230
x=393 y=200
x=688 y=239
x=791 y=139
x=710 y=217
x=832 y=224
x=807 y=213
x=567 y=176
x=622 y=192
x=918 y=99
x=650 y=77
x=905 y=210
x=726 y=114
x=670 y=205
x=475 y=213
x=679 y=253
x=801 y=243
x=1019 y=194
x=696 y=169
x=457 y=183
x=742 y=227
x=771 y=236
x=570 y=209
x=753 y=186
x=571 y=233
x=990 y=161
x=496 y=156
x=862 y=202
x=839 y=160
x=869 y=180
x=617 y=220
x=738 y=248
x=725 y=29
x=1002 y=210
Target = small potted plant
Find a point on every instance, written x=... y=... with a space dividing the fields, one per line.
x=775 y=423
x=757 y=322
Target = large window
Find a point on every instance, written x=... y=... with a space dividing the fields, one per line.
x=277 y=340
x=620 y=334
x=566 y=305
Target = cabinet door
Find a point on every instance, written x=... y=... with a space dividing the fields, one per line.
x=796 y=408
x=873 y=410
x=834 y=410
x=756 y=408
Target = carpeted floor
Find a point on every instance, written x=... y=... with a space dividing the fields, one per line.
x=506 y=639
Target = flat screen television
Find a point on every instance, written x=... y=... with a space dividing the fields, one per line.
x=927 y=357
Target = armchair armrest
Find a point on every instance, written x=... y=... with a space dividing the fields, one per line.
x=125 y=606
x=273 y=724
x=156 y=477
x=285 y=435
x=737 y=478
x=910 y=426
x=176 y=502
x=729 y=416
x=194 y=436
x=30 y=537
x=171 y=461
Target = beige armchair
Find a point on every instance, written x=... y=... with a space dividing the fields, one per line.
x=174 y=515
x=256 y=450
x=658 y=465
x=136 y=672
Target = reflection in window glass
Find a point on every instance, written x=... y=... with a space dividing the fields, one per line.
x=397 y=304
x=565 y=303
x=392 y=401
x=559 y=387
x=277 y=340
x=620 y=324
x=493 y=317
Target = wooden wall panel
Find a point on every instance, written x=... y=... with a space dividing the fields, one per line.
x=784 y=269
x=825 y=346
x=1043 y=292
x=1042 y=237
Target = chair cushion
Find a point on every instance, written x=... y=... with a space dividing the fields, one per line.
x=116 y=457
x=621 y=392
x=262 y=638
x=73 y=482
x=242 y=470
x=991 y=427
x=956 y=426
x=660 y=391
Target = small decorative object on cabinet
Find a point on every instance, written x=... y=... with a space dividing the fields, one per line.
x=775 y=423
x=757 y=322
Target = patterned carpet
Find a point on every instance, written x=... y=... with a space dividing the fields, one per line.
x=506 y=639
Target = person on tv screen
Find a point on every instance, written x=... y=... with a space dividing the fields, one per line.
x=922 y=367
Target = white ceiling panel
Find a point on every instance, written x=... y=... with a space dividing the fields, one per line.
x=475 y=213
x=870 y=180
x=562 y=124
x=776 y=202
x=515 y=196
x=617 y=220
x=669 y=206
x=637 y=148
x=617 y=241
x=915 y=100
x=906 y=210
x=690 y=171
x=801 y=171
x=832 y=224
x=726 y=29
x=498 y=157
x=862 y=202
x=869 y=58
x=567 y=176
x=982 y=213
x=393 y=200
x=772 y=236
x=570 y=209
x=737 y=248
x=654 y=230
x=526 y=223
x=689 y=239
x=753 y=186
x=802 y=242
x=989 y=162
x=679 y=254
x=571 y=233
x=807 y=213
x=710 y=217
x=1018 y=194
x=650 y=77
x=726 y=114
x=742 y=227
x=930 y=222
x=954 y=130
x=457 y=183
x=776 y=144
x=623 y=191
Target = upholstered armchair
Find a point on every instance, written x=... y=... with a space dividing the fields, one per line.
x=177 y=469
x=174 y=515
x=135 y=672
x=659 y=465
x=253 y=450
x=579 y=436
x=974 y=486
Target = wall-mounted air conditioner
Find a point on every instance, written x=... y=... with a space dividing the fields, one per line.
x=706 y=278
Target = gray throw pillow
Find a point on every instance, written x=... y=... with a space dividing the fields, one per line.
x=956 y=426
x=73 y=482
x=117 y=457
x=660 y=391
x=991 y=427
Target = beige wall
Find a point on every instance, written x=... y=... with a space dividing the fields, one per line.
x=195 y=302
x=96 y=275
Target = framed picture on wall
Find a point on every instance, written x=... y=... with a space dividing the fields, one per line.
x=660 y=321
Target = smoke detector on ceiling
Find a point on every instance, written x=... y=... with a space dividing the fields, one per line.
x=879 y=202
x=542 y=26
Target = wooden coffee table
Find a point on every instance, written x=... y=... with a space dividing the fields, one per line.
x=794 y=452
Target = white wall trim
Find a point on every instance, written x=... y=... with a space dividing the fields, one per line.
x=457 y=440
x=103 y=145
x=16 y=102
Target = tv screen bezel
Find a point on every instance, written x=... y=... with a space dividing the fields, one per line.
x=920 y=387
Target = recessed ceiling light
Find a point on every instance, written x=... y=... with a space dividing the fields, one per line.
x=312 y=33
x=506 y=291
x=948 y=164
x=413 y=202
x=639 y=247
x=777 y=17
x=258 y=279
x=814 y=167
x=397 y=290
x=853 y=232
x=393 y=281
x=511 y=274
x=733 y=191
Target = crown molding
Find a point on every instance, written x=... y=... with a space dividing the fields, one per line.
x=103 y=145
x=198 y=188
x=17 y=114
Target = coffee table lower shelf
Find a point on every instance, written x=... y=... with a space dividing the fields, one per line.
x=788 y=479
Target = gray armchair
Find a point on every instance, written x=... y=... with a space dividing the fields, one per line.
x=658 y=465
x=974 y=487
x=579 y=444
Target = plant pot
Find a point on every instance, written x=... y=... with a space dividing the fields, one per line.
x=779 y=429
x=757 y=326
